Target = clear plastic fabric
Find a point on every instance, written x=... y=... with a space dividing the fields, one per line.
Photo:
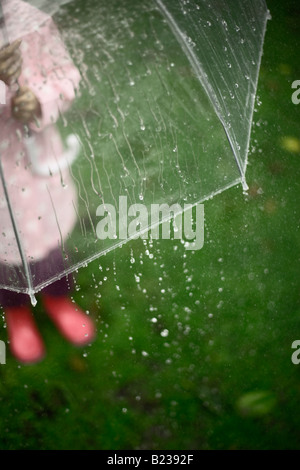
x=144 y=103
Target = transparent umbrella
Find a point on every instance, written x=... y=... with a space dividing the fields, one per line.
x=146 y=109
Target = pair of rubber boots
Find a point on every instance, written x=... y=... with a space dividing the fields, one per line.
x=25 y=340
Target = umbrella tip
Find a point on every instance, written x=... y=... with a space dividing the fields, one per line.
x=244 y=184
x=32 y=299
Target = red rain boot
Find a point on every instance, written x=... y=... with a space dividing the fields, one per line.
x=26 y=343
x=73 y=324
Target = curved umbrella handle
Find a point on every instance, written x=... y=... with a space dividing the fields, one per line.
x=65 y=160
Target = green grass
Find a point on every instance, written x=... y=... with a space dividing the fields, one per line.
x=220 y=381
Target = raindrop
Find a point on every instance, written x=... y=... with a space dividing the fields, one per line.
x=164 y=333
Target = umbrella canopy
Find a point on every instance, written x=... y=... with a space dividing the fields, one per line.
x=143 y=104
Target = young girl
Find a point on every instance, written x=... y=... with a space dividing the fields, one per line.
x=40 y=81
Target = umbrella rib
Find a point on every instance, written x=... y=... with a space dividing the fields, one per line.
x=19 y=244
x=12 y=217
x=197 y=67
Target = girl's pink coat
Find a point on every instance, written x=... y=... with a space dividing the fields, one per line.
x=44 y=207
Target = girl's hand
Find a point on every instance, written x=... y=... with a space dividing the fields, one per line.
x=25 y=105
x=10 y=63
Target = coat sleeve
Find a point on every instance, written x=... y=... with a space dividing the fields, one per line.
x=49 y=72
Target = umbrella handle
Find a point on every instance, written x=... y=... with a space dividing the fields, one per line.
x=65 y=160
